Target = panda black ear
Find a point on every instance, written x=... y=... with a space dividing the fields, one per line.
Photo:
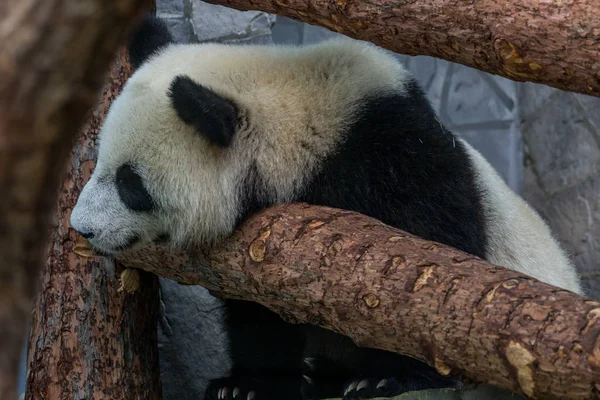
x=210 y=114
x=151 y=36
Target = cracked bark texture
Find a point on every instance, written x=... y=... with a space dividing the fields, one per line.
x=387 y=289
x=88 y=340
x=555 y=43
x=53 y=57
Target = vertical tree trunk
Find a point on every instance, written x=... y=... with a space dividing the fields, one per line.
x=88 y=339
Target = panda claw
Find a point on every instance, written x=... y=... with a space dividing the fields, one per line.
x=310 y=362
x=369 y=388
x=362 y=384
x=351 y=387
x=236 y=392
x=251 y=395
x=377 y=387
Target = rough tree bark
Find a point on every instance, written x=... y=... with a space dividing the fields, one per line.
x=88 y=339
x=387 y=289
x=552 y=42
x=53 y=58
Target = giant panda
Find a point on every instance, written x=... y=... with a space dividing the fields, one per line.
x=204 y=135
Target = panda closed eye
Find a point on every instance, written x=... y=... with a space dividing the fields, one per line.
x=132 y=191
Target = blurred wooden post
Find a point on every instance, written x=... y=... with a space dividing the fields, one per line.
x=53 y=60
x=89 y=340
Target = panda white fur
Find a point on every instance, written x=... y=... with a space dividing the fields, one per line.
x=203 y=135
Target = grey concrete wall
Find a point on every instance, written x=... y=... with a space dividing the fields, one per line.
x=561 y=131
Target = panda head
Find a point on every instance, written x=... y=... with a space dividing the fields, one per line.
x=203 y=134
x=161 y=158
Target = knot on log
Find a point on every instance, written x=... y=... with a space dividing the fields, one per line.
x=371 y=300
x=520 y=358
x=422 y=279
x=512 y=61
x=258 y=247
x=130 y=280
x=441 y=367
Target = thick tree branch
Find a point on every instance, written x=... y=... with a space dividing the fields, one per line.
x=555 y=43
x=53 y=58
x=387 y=289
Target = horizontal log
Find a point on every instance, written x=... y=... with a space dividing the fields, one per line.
x=556 y=43
x=387 y=289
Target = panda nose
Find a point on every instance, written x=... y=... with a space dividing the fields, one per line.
x=86 y=235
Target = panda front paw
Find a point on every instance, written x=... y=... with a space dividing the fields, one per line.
x=373 y=387
x=232 y=389
x=368 y=388
x=254 y=387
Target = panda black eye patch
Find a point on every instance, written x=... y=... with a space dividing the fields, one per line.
x=132 y=191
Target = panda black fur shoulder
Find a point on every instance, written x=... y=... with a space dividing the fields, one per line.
x=203 y=135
